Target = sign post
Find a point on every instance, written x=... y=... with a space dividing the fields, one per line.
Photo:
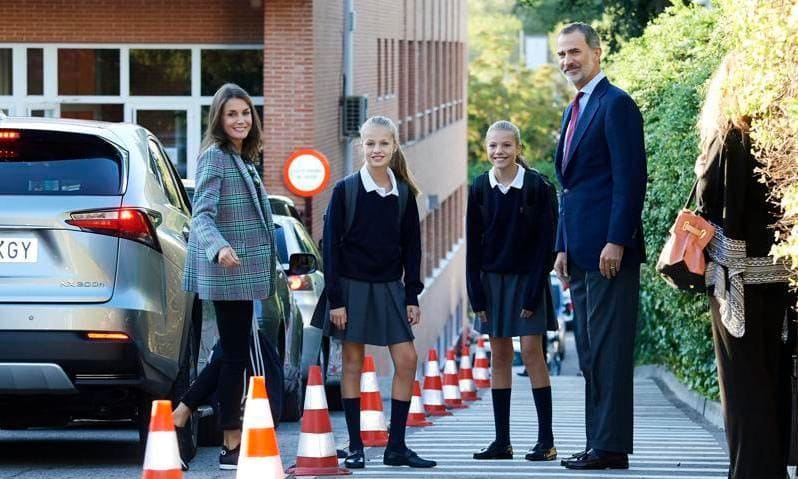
x=306 y=173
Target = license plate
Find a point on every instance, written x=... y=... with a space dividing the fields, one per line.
x=19 y=250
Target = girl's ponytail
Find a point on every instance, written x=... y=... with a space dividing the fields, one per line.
x=398 y=162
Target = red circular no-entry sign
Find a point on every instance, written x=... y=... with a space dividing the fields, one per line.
x=306 y=172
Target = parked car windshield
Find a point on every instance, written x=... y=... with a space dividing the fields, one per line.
x=57 y=163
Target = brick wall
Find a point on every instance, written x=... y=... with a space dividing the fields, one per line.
x=134 y=21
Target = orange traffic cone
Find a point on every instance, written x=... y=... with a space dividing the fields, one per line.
x=259 y=456
x=317 y=455
x=468 y=390
x=481 y=366
x=451 y=385
x=162 y=457
x=373 y=430
x=433 y=393
x=416 y=416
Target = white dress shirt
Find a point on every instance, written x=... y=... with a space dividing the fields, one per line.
x=370 y=185
x=518 y=181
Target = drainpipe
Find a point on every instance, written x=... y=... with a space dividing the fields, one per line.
x=349 y=33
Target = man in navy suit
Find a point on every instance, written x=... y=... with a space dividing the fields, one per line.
x=601 y=165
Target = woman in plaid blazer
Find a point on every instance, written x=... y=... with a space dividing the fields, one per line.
x=231 y=254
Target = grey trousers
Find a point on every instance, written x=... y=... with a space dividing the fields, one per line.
x=605 y=323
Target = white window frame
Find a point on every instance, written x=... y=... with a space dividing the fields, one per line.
x=19 y=103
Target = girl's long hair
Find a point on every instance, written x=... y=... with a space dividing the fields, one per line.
x=398 y=162
x=721 y=112
x=214 y=134
x=504 y=125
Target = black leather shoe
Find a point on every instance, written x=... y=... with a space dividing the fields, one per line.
x=573 y=456
x=406 y=458
x=355 y=460
x=541 y=453
x=599 y=460
x=495 y=451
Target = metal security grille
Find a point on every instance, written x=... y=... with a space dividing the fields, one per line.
x=355 y=109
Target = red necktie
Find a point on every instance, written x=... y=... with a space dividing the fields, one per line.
x=571 y=128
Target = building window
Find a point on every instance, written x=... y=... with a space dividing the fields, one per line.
x=242 y=67
x=35 y=71
x=85 y=111
x=160 y=72
x=83 y=71
x=6 y=72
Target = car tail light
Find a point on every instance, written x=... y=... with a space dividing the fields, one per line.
x=9 y=135
x=300 y=283
x=128 y=223
x=107 y=336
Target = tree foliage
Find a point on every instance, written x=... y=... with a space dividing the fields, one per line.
x=500 y=87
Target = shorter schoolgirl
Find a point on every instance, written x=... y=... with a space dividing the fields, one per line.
x=371 y=242
x=508 y=256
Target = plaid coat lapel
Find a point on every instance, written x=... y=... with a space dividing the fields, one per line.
x=244 y=172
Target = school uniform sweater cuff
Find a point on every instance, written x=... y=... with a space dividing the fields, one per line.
x=411 y=298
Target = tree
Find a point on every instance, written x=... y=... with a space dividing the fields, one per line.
x=501 y=88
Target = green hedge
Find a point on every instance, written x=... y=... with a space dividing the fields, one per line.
x=665 y=71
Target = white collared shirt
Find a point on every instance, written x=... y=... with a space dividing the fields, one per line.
x=518 y=181
x=587 y=90
x=370 y=185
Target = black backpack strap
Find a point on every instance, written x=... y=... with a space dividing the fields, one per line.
x=404 y=194
x=481 y=191
x=529 y=192
x=351 y=186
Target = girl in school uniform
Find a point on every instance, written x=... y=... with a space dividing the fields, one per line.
x=367 y=253
x=508 y=255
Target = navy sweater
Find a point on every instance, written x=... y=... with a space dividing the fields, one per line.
x=508 y=243
x=377 y=248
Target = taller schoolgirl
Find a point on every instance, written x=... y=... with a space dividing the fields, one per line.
x=368 y=250
x=509 y=232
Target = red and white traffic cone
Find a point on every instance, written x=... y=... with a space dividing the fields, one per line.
x=259 y=456
x=317 y=455
x=432 y=395
x=373 y=430
x=162 y=457
x=468 y=390
x=416 y=416
x=481 y=366
x=451 y=385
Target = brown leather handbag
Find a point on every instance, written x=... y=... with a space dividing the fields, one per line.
x=681 y=262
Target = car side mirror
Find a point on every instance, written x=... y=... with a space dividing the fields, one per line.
x=302 y=263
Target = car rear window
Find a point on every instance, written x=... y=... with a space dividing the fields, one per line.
x=282 y=249
x=36 y=163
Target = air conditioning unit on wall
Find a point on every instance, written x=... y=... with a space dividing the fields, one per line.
x=355 y=111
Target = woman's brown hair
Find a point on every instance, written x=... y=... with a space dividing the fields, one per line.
x=214 y=134
x=398 y=162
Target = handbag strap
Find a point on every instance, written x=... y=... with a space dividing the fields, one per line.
x=691 y=198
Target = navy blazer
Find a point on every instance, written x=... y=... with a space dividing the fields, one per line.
x=604 y=183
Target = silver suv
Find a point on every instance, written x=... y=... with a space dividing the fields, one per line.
x=93 y=228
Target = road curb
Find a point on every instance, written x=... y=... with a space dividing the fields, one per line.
x=710 y=410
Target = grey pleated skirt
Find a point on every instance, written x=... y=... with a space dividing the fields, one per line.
x=504 y=294
x=376 y=314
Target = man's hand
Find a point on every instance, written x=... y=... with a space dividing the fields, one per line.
x=610 y=260
x=482 y=316
x=413 y=314
x=338 y=317
x=561 y=268
x=228 y=258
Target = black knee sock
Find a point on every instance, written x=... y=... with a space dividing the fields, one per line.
x=501 y=415
x=542 y=398
x=352 y=414
x=396 y=436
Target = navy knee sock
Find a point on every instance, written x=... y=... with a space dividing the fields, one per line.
x=396 y=436
x=542 y=398
x=352 y=414
x=501 y=415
